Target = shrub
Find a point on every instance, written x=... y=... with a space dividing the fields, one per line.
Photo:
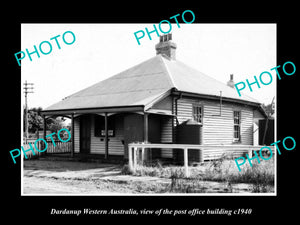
x=126 y=170
x=261 y=176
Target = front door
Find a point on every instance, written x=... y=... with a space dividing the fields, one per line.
x=133 y=130
x=85 y=134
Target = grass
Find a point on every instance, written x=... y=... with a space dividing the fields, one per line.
x=260 y=176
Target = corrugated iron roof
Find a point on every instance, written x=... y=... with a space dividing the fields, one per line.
x=190 y=80
x=144 y=83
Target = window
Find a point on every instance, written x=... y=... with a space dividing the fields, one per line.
x=100 y=126
x=197 y=113
x=236 y=126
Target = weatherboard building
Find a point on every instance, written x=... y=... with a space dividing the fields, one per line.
x=160 y=100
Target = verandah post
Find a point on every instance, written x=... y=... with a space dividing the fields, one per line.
x=44 y=133
x=106 y=136
x=72 y=135
x=145 y=136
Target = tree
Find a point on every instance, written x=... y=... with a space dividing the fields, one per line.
x=55 y=124
x=269 y=109
x=35 y=121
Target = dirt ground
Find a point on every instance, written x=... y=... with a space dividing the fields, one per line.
x=80 y=178
x=43 y=177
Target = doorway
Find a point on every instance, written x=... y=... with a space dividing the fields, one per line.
x=85 y=134
x=133 y=130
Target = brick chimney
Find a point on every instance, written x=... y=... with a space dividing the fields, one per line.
x=230 y=83
x=166 y=47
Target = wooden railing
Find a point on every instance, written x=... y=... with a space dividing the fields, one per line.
x=207 y=152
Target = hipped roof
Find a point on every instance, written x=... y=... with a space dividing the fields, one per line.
x=146 y=82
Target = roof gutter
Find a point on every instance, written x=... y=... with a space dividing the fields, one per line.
x=224 y=99
x=188 y=94
x=94 y=110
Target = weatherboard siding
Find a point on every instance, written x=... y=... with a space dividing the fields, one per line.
x=115 y=146
x=166 y=132
x=166 y=136
x=77 y=134
x=97 y=145
x=247 y=127
x=217 y=129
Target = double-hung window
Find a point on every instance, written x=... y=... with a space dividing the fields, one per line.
x=197 y=113
x=236 y=126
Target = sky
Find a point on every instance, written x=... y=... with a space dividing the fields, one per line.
x=103 y=50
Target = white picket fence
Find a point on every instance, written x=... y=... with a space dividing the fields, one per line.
x=60 y=147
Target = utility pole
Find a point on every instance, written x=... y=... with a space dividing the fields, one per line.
x=28 y=87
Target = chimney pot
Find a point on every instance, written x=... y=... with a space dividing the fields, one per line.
x=230 y=83
x=166 y=46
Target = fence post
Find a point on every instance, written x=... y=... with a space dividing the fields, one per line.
x=186 y=165
x=250 y=152
x=143 y=157
x=134 y=158
x=130 y=157
x=201 y=155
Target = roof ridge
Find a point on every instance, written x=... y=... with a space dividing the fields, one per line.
x=137 y=75
x=168 y=71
